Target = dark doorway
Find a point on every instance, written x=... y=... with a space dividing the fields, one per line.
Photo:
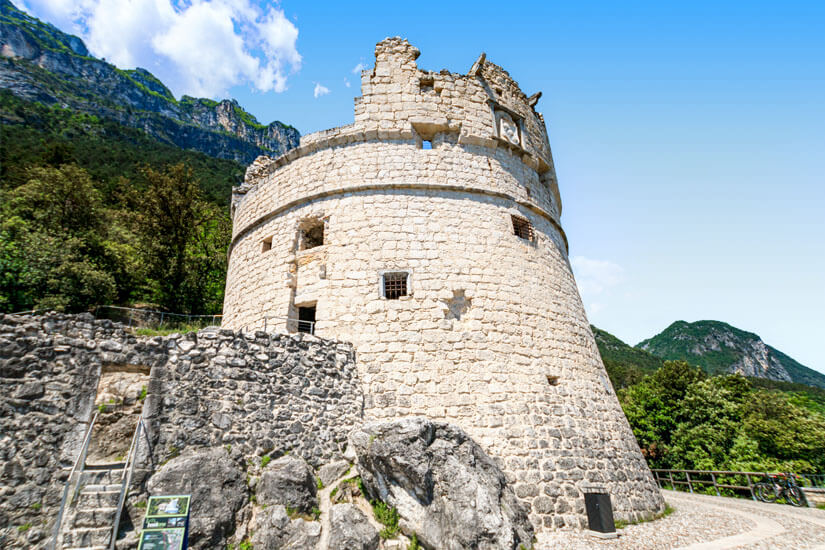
x=306 y=319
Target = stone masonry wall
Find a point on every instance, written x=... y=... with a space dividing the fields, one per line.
x=257 y=392
x=492 y=335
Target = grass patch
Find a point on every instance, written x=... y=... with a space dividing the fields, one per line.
x=414 y=545
x=386 y=516
x=183 y=329
x=821 y=505
x=621 y=524
x=265 y=460
x=23 y=528
x=318 y=483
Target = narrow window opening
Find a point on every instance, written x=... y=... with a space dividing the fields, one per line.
x=266 y=245
x=552 y=380
x=395 y=285
x=522 y=228
x=426 y=144
x=427 y=84
x=312 y=236
x=306 y=319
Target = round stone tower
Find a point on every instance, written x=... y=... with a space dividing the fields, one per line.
x=427 y=234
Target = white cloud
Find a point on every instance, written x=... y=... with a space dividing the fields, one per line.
x=358 y=68
x=203 y=47
x=320 y=90
x=346 y=83
x=595 y=277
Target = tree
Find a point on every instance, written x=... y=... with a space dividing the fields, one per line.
x=184 y=241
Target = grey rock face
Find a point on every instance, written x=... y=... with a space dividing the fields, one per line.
x=332 y=471
x=288 y=481
x=350 y=529
x=446 y=489
x=274 y=530
x=218 y=488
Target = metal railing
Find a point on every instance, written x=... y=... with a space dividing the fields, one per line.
x=128 y=470
x=81 y=461
x=274 y=323
x=705 y=478
x=150 y=318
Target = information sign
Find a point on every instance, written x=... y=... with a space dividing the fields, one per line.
x=166 y=523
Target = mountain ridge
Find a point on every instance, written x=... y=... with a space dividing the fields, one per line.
x=41 y=63
x=720 y=348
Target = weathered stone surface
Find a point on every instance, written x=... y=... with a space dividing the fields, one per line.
x=273 y=530
x=289 y=481
x=491 y=335
x=350 y=529
x=218 y=488
x=446 y=489
x=332 y=471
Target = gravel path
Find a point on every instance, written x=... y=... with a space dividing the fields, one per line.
x=702 y=522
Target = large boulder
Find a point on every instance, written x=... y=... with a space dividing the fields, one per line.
x=446 y=489
x=350 y=529
x=273 y=530
x=289 y=481
x=218 y=488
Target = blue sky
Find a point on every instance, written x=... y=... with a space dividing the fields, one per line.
x=689 y=139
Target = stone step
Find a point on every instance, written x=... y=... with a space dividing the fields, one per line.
x=108 y=488
x=98 y=499
x=86 y=537
x=97 y=517
x=101 y=477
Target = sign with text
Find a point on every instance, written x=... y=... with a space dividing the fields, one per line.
x=166 y=523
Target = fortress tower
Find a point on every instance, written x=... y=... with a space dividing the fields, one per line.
x=427 y=233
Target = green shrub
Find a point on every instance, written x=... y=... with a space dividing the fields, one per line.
x=386 y=516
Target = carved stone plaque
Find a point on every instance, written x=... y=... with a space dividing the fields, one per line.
x=508 y=129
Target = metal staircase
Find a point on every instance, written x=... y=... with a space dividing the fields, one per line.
x=89 y=519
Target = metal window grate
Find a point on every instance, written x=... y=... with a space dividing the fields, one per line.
x=395 y=285
x=522 y=228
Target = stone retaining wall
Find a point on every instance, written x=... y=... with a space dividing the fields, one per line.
x=256 y=393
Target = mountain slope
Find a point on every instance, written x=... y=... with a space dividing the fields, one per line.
x=625 y=364
x=720 y=348
x=40 y=63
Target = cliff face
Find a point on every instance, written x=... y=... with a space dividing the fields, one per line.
x=40 y=63
x=720 y=348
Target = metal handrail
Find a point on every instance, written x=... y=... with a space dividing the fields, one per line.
x=128 y=470
x=690 y=482
x=80 y=460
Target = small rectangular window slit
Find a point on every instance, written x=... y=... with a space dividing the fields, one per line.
x=522 y=228
x=552 y=380
x=426 y=144
x=266 y=244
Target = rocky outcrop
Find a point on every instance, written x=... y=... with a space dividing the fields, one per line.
x=273 y=529
x=351 y=530
x=446 y=489
x=40 y=63
x=288 y=481
x=218 y=488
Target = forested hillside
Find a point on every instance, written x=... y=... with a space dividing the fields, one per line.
x=684 y=418
x=93 y=212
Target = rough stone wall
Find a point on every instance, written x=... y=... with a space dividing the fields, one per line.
x=493 y=335
x=258 y=393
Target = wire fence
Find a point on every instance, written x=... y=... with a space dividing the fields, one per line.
x=154 y=319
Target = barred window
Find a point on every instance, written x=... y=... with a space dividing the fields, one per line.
x=522 y=228
x=395 y=285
